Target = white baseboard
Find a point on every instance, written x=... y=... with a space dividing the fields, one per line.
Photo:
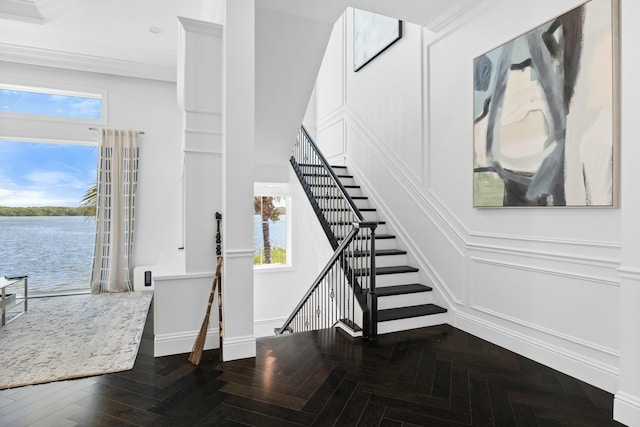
x=238 y=347
x=166 y=344
x=572 y=363
x=626 y=409
x=265 y=327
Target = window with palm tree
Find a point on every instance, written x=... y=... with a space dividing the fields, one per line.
x=270 y=230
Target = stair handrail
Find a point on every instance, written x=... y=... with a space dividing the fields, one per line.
x=334 y=258
x=333 y=175
x=340 y=258
x=341 y=221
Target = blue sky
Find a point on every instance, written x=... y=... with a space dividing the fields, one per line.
x=43 y=174
x=46 y=174
x=21 y=101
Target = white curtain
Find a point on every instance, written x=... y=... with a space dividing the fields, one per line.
x=115 y=208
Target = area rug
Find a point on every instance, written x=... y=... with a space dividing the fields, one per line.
x=72 y=336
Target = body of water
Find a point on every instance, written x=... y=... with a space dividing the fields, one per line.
x=277 y=233
x=55 y=252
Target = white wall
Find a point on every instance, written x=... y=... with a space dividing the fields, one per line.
x=627 y=401
x=542 y=282
x=145 y=105
x=278 y=290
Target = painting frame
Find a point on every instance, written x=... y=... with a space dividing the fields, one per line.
x=372 y=35
x=546 y=119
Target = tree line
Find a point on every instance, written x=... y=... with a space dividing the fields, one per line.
x=48 y=211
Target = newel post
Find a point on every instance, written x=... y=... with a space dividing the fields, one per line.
x=371 y=331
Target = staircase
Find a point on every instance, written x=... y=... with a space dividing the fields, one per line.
x=403 y=302
x=368 y=285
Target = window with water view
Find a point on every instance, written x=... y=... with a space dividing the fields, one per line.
x=45 y=232
x=270 y=230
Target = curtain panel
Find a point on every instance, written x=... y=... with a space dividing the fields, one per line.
x=115 y=210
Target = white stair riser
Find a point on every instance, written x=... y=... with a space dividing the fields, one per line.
x=405 y=300
x=311 y=180
x=391 y=260
x=354 y=192
x=363 y=203
x=397 y=279
x=371 y=216
x=346 y=227
x=411 y=323
x=385 y=243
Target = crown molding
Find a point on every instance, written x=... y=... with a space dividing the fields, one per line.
x=456 y=13
x=202 y=27
x=79 y=62
x=34 y=11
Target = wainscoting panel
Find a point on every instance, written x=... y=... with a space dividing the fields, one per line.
x=179 y=304
x=551 y=302
x=333 y=140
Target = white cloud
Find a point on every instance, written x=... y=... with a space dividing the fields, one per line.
x=54 y=179
x=28 y=198
x=44 y=188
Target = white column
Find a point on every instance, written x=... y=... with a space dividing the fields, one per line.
x=627 y=399
x=200 y=102
x=238 y=142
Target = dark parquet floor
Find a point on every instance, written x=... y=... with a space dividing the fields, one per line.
x=437 y=376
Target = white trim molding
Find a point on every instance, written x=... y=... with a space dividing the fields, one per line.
x=626 y=409
x=235 y=348
x=631 y=273
x=182 y=342
x=239 y=253
x=93 y=64
x=265 y=327
x=567 y=361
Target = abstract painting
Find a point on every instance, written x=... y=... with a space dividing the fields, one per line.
x=545 y=114
x=372 y=34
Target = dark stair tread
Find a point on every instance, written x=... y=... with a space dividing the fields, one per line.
x=351 y=222
x=347 y=209
x=340 y=197
x=381 y=252
x=351 y=325
x=385 y=291
x=408 y=312
x=385 y=236
x=378 y=236
x=396 y=269
x=314 y=165
x=331 y=185
x=316 y=175
x=351 y=186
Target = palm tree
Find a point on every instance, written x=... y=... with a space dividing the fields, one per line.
x=90 y=198
x=264 y=206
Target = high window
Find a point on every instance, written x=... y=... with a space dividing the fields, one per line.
x=50 y=102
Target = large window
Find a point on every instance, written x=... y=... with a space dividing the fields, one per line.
x=50 y=102
x=271 y=211
x=48 y=163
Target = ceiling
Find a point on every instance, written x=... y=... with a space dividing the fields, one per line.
x=116 y=34
x=139 y=37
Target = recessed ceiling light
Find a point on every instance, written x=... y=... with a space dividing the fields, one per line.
x=156 y=30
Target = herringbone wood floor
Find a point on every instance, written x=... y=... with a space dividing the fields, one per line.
x=437 y=376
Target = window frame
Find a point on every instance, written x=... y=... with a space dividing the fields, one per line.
x=53 y=89
x=280 y=190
